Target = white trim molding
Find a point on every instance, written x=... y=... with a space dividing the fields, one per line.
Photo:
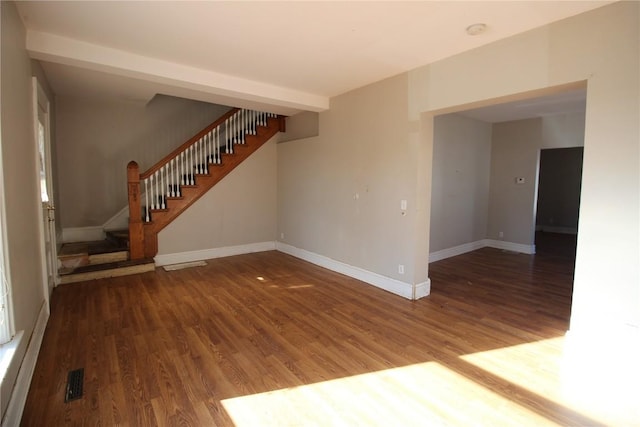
x=181 y=257
x=82 y=234
x=403 y=289
x=478 y=244
x=23 y=382
x=456 y=250
x=510 y=246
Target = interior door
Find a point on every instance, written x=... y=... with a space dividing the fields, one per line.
x=48 y=231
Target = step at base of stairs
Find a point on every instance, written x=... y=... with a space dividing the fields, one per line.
x=91 y=248
x=69 y=262
x=78 y=254
x=119 y=238
x=103 y=271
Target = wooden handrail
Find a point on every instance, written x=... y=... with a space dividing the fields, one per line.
x=166 y=159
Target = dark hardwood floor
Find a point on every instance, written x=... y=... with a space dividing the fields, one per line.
x=267 y=339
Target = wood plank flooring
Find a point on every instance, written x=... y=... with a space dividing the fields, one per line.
x=267 y=339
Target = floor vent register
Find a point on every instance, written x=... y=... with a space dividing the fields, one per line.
x=74 y=385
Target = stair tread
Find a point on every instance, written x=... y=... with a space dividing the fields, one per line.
x=90 y=248
x=107 y=266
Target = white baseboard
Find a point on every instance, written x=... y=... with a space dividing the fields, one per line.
x=82 y=234
x=422 y=289
x=510 y=246
x=23 y=382
x=478 y=244
x=180 y=257
x=403 y=289
x=456 y=250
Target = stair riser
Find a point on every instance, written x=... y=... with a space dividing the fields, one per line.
x=104 y=274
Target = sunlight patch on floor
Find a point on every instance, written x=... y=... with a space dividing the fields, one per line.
x=426 y=394
x=565 y=377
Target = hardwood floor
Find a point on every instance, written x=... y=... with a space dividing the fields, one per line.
x=266 y=339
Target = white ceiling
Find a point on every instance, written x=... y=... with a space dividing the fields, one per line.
x=283 y=56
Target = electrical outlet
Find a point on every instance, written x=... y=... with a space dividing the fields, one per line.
x=400 y=268
x=281 y=236
x=501 y=234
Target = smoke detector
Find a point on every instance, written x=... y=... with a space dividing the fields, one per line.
x=475 y=29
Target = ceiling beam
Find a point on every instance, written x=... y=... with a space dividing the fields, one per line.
x=68 y=51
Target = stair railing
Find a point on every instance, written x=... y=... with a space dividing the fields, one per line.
x=179 y=169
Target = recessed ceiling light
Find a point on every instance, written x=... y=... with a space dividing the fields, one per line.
x=475 y=29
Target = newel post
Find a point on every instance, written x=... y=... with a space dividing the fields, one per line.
x=136 y=231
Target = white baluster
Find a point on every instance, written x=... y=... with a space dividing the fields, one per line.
x=146 y=200
x=163 y=188
x=203 y=155
x=243 y=125
x=199 y=157
x=206 y=150
x=217 y=142
x=157 y=190
x=170 y=175
x=153 y=204
x=200 y=154
x=234 y=129
x=189 y=165
x=176 y=172
x=191 y=168
x=228 y=131
x=254 y=118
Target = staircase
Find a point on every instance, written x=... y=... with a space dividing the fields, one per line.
x=160 y=194
x=99 y=259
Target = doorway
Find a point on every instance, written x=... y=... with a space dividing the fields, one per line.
x=42 y=133
x=558 y=202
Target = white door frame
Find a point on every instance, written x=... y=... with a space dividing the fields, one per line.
x=41 y=104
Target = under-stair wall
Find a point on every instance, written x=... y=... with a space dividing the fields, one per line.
x=97 y=137
x=237 y=214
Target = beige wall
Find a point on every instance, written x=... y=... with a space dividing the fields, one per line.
x=319 y=177
x=460 y=181
x=300 y=126
x=563 y=130
x=339 y=193
x=96 y=138
x=21 y=188
x=239 y=210
x=514 y=153
x=601 y=48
